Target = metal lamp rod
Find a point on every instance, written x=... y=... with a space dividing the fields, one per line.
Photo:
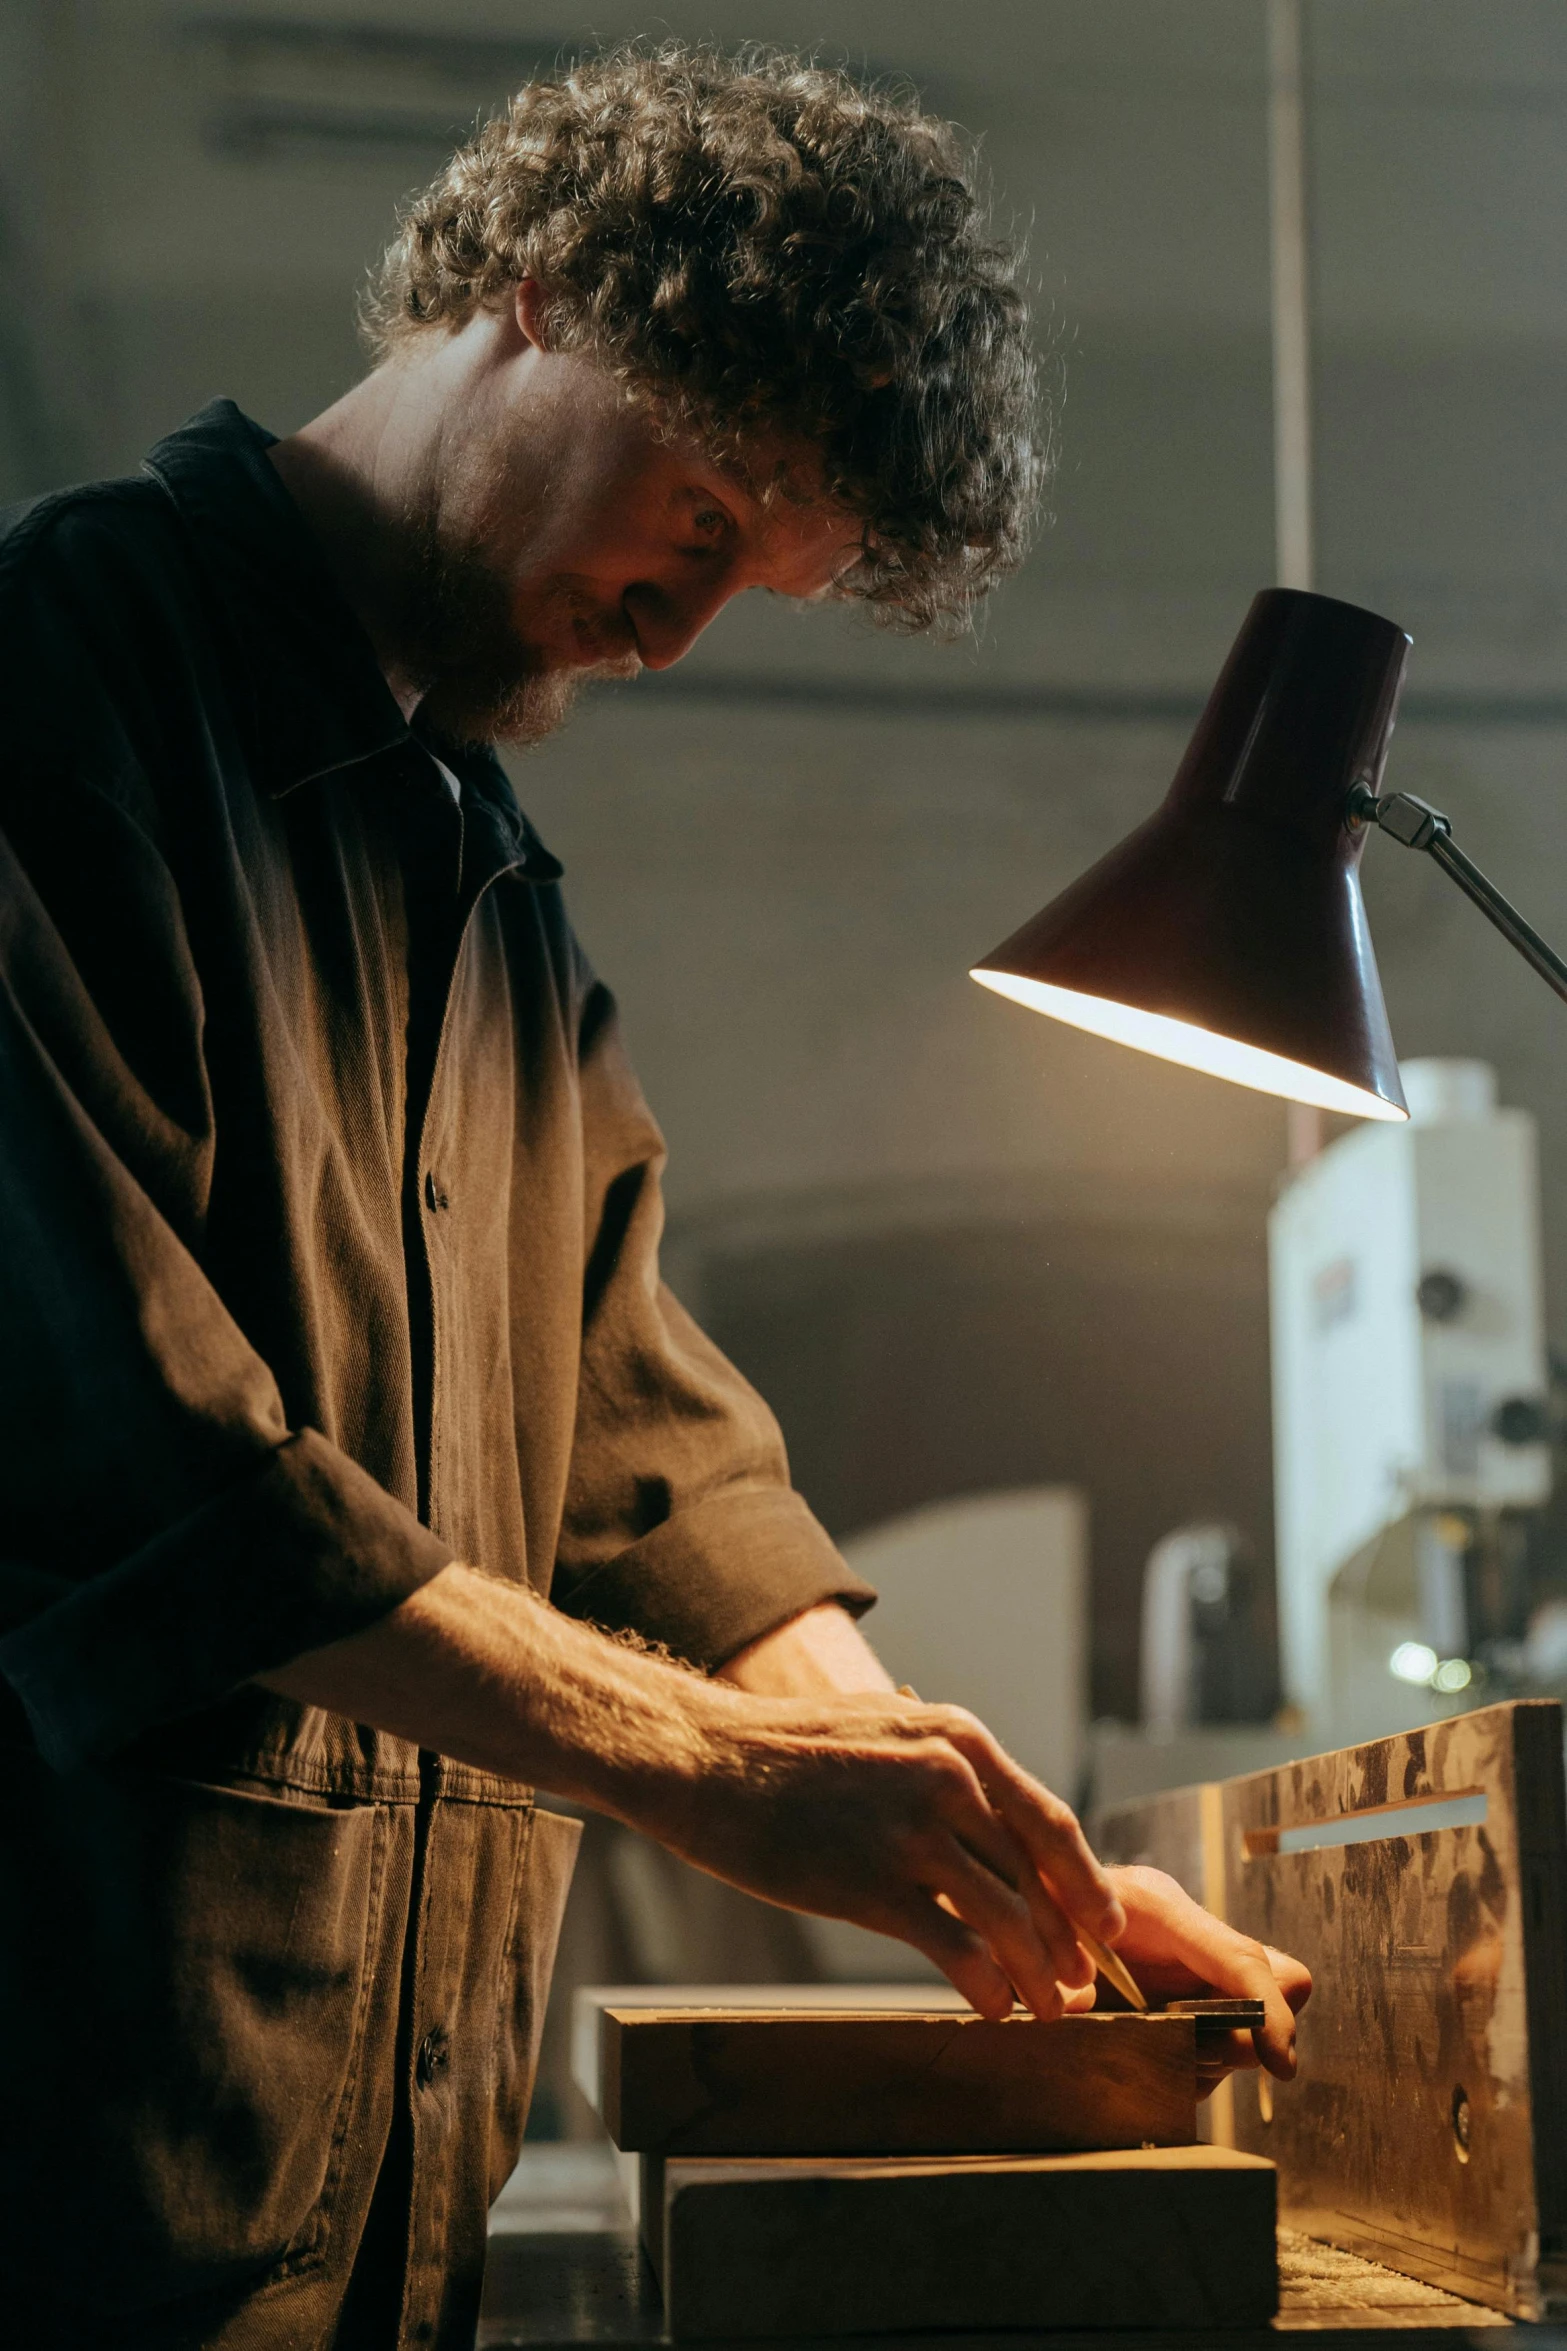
x=1416 y=825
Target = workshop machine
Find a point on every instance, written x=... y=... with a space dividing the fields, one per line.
x=1423 y=1879
x=1411 y=1410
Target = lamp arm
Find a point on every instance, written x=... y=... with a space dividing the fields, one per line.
x=1416 y=825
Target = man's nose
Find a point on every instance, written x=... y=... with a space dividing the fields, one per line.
x=668 y=621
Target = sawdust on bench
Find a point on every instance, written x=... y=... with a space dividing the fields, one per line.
x=1323 y=2286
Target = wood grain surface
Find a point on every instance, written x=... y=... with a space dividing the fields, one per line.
x=703 y=2082
x=1174 y=2237
x=1425 y=2127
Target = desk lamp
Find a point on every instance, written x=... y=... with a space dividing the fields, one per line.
x=1228 y=932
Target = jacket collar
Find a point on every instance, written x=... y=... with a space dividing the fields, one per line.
x=320 y=700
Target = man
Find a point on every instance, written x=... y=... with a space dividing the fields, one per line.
x=333 y=1328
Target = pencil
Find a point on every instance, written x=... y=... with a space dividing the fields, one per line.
x=1115 y=1970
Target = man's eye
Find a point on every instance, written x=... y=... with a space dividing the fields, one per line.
x=709 y=520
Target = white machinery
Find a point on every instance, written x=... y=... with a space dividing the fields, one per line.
x=984 y=1601
x=1190 y=1567
x=1409 y=1387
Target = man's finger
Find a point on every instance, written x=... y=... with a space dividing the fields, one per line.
x=1001 y=1855
x=1240 y=1968
x=1234 y=2053
x=1292 y=1976
x=985 y=1836
x=988 y=1840
x=1048 y=1829
x=963 y=1957
x=1002 y=1915
x=1170 y=1928
x=1275 y=2038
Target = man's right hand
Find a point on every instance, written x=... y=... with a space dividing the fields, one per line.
x=907 y=1819
x=904 y=1818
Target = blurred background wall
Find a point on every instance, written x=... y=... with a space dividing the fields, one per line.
x=959 y=1248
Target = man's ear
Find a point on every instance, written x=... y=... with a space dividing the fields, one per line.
x=532 y=312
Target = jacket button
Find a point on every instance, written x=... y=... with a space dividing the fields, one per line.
x=435 y=1196
x=434 y=2055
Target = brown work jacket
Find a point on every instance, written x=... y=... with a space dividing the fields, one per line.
x=329 y=1218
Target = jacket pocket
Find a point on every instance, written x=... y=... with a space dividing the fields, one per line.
x=545 y=1862
x=192 y=1964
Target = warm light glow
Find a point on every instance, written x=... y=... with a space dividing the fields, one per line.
x=1413 y=1662
x=1193 y=1047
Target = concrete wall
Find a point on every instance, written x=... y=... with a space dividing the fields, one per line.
x=959 y=1247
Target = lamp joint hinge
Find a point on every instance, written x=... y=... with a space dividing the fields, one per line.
x=1415 y=824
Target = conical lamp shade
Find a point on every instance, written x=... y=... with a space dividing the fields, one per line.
x=1228 y=932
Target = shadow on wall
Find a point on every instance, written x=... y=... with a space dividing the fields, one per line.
x=1130 y=1361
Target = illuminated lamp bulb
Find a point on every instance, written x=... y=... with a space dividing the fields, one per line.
x=1194 y=1048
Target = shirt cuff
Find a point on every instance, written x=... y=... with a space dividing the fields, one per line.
x=306 y=1550
x=717 y=1576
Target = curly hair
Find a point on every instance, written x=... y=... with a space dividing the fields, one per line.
x=762 y=248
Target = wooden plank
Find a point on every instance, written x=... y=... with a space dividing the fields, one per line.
x=702 y=2082
x=593 y=2291
x=1424 y=2128
x=1175 y=2237
x=589 y=2002
x=1320 y=2287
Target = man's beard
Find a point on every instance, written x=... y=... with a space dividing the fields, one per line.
x=482 y=683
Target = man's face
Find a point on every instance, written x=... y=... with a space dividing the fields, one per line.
x=557 y=537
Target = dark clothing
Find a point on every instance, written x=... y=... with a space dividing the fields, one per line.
x=227 y=2002
x=330 y=1213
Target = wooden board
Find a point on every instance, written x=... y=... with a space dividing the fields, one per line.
x=589 y=2002
x=1426 y=2126
x=706 y=2082
x=593 y=2290
x=1174 y=2237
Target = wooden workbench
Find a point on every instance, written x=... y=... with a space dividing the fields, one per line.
x=569 y=2291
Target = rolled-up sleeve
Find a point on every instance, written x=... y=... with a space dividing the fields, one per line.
x=681 y=1525
x=306 y=1549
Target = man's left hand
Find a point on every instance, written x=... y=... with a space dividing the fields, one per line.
x=1176 y=1950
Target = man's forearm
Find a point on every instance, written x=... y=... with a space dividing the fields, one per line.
x=488 y=1674
x=907 y=1819
x=483 y=1671
x=818 y=1652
